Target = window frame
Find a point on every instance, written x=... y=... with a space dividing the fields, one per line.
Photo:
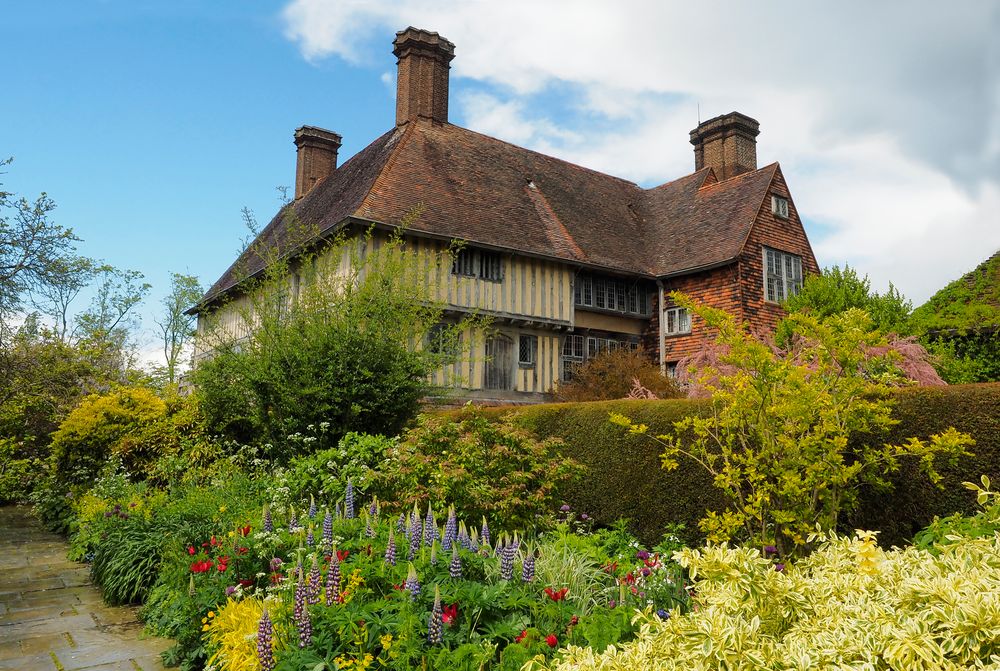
x=532 y=348
x=788 y=278
x=480 y=264
x=680 y=316
x=780 y=207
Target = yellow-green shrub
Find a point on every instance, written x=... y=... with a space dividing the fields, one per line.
x=131 y=423
x=232 y=635
x=850 y=605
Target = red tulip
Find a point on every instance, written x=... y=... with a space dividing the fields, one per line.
x=449 y=613
x=552 y=640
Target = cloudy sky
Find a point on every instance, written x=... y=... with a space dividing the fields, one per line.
x=152 y=123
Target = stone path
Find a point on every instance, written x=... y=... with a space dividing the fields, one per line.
x=51 y=617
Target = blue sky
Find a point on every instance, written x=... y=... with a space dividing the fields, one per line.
x=153 y=123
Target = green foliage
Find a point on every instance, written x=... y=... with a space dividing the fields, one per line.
x=837 y=290
x=776 y=440
x=849 y=605
x=16 y=475
x=625 y=478
x=344 y=351
x=613 y=374
x=488 y=469
x=324 y=475
x=130 y=423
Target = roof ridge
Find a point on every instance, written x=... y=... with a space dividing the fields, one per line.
x=546 y=156
x=763 y=200
x=743 y=176
x=706 y=170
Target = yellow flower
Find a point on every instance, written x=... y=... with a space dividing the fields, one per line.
x=386 y=641
x=211 y=613
x=222 y=509
x=232 y=533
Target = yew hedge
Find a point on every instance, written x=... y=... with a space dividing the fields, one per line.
x=625 y=480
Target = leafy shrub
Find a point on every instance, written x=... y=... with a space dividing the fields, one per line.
x=611 y=375
x=131 y=423
x=344 y=352
x=495 y=470
x=625 y=478
x=324 y=474
x=16 y=474
x=849 y=605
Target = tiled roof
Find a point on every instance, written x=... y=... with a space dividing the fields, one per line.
x=476 y=188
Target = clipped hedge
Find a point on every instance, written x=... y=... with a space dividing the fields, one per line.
x=625 y=478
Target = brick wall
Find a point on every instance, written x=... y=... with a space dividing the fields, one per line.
x=786 y=235
x=739 y=287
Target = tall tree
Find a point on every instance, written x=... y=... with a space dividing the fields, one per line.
x=176 y=326
x=31 y=247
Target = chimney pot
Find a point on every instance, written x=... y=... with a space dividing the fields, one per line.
x=316 y=157
x=422 y=75
x=727 y=144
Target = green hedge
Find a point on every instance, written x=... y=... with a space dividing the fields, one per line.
x=625 y=478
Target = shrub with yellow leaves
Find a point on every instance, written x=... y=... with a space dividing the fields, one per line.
x=849 y=605
x=232 y=634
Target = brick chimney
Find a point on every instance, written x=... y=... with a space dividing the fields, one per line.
x=422 y=78
x=316 y=157
x=727 y=144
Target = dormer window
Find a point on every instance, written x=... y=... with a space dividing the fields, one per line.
x=779 y=206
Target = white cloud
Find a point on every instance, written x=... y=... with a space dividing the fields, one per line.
x=886 y=118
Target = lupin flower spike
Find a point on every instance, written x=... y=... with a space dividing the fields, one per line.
x=434 y=553
x=436 y=621
x=485 y=533
x=349 y=500
x=265 y=645
x=455 y=567
x=312 y=507
x=327 y=529
x=412 y=582
x=293 y=521
x=390 y=549
x=268 y=523
x=333 y=580
x=310 y=538
x=450 y=530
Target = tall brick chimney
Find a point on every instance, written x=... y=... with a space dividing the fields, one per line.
x=316 y=157
x=422 y=78
x=727 y=144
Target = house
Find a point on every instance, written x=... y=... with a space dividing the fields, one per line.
x=568 y=261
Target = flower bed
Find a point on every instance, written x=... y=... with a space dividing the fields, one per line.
x=371 y=586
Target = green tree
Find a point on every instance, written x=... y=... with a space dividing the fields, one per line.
x=837 y=290
x=176 y=326
x=777 y=440
x=31 y=247
x=315 y=344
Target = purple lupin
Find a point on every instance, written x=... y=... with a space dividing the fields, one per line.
x=293 y=521
x=333 y=580
x=412 y=583
x=268 y=526
x=401 y=523
x=430 y=527
x=450 y=530
x=312 y=507
x=349 y=500
x=390 y=549
x=415 y=536
x=327 y=530
x=528 y=567
x=436 y=622
x=455 y=567
x=485 y=533
x=265 y=642
x=310 y=537
x=312 y=591
x=300 y=613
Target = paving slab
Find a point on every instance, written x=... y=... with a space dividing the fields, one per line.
x=52 y=618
